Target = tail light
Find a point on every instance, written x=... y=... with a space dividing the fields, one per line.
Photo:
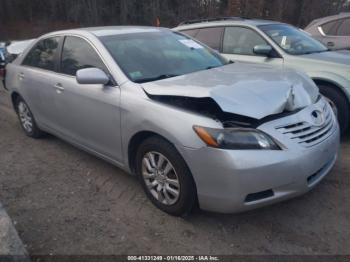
x=2 y=73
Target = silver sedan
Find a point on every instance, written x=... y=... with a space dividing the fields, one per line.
x=194 y=127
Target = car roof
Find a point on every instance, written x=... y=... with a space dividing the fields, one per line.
x=327 y=19
x=224 y=22
x=110 y=30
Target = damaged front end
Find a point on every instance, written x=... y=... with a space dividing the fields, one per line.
x=238 y=95
x=207 y=107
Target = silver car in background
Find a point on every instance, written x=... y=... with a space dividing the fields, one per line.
x=194 y=127
x=332 y=31
x=16 y=48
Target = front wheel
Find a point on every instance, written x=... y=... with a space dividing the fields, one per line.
x=165 y=177
x=339 y=104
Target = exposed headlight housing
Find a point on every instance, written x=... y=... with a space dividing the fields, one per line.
x=236 y=138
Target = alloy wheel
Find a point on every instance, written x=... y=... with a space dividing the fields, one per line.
x=25 y=117
x=161 y=178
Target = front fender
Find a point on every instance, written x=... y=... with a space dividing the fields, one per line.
x=142 y=114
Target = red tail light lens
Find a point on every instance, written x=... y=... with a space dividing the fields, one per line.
x=2 y=72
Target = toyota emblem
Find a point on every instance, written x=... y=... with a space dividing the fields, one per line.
x=318 y=118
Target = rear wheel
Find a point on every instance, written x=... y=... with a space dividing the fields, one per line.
x=340 y=105
x=27 y=120
x=165 y=177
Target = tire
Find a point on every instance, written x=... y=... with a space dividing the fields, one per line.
x=27 y=119
x=155 y=182
x=341 y=103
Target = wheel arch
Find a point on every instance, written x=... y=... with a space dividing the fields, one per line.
x=14 y=96
x=332 y=84
x=134 y=143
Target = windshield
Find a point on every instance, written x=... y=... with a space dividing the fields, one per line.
x=151 y=56
x=292 y=40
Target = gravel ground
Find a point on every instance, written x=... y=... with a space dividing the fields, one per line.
x=65 y=201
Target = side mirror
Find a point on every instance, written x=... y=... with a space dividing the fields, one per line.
x=92 y=76
x=265 y=50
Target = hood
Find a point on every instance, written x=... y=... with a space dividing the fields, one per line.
x=254 y=91
x=338 y=57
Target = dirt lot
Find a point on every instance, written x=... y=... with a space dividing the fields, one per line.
x=64 y=201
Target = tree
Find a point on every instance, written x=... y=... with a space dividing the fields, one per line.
x=25 y=19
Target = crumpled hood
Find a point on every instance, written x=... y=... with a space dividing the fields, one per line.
x=250 y=90
x=338 y=57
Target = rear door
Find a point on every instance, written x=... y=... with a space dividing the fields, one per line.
x=343 y=33
x=336 y=34
x=239 y=43
x=87 y=114
x=211 y=36
x=36 y=80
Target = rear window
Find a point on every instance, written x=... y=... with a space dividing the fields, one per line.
x=211 y=36
x=44 y=54
x=344 y=28
x=330 y=28
x=191 y=33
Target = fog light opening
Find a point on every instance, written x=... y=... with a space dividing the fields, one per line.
x=259 y=196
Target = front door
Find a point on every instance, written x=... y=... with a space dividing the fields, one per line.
x=339 y=36
x=87 y=114
x=239 y=43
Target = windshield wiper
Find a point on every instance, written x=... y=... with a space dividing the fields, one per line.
x=211 y=67
x=156 y=78
x=316 y=52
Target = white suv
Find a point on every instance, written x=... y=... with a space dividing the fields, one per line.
x=283 y=46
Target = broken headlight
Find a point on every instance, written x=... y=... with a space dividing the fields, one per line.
x=236 y=138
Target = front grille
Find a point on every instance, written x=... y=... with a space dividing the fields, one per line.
x=307 y=134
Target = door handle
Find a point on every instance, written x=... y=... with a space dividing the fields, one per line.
x=330 y=44
x=59 y=88
x=21 y=76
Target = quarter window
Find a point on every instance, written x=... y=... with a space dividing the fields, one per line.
x=211 y=37
x=241 y=41
x=44 y=54
x=78 y=54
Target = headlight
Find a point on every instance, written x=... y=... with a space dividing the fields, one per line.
x=236 y=138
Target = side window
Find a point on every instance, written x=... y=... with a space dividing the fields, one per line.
x=330 y=28
x=44 y=54
x=78 y=54
x=241 y=41
x=344 y=28
x=191 y=33
x=211 y=37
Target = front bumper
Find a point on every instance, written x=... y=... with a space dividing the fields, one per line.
x=230 y=181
